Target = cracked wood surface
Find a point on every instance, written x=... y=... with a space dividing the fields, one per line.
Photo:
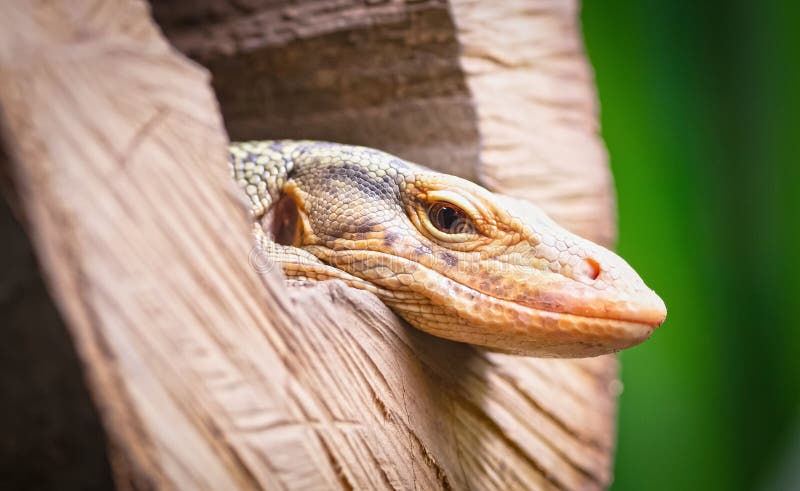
x=210 y=375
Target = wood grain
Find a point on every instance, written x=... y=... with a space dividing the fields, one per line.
x=537 y=110
x=208 y=372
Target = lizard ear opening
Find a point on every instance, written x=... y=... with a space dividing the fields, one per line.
x=282 y=222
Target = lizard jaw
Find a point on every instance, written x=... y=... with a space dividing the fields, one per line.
x=446 y=308
x=460 y=313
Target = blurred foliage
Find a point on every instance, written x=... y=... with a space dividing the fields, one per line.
x=700 y=105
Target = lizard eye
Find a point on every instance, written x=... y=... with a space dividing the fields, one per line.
x=450 y=219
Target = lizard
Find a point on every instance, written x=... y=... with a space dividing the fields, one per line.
x=450 y=257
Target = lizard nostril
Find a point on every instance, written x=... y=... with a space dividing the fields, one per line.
x=591 y=268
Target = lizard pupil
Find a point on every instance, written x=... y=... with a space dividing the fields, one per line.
x=449 y=218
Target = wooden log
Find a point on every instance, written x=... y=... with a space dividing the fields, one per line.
x=207 y=371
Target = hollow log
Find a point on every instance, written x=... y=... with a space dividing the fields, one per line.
x=208 y=372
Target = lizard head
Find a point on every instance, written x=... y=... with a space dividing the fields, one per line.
x=462 y=263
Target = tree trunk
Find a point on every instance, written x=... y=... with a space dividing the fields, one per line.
x=208 y=372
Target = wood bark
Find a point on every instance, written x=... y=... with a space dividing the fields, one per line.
x=207 y=371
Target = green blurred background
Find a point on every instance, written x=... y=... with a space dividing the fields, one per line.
x=700 y=114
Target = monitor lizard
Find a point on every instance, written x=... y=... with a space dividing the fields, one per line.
x=450 y=257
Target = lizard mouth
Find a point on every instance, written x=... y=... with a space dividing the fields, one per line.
x=529 y=330
x=642 y=306
x=526 y=330
x=460 y=312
